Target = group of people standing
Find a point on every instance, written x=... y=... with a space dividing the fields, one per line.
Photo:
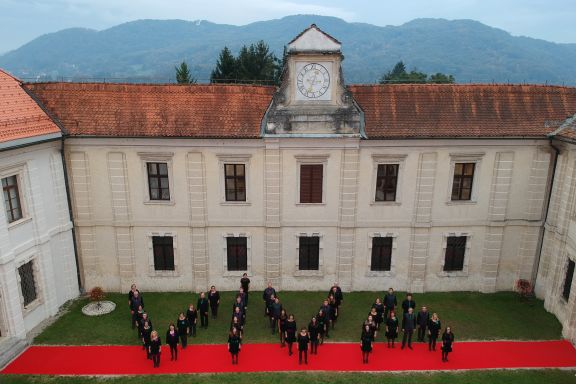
x=383 y=311
x=382 y=316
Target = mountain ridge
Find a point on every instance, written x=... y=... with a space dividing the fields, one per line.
x=150 y=49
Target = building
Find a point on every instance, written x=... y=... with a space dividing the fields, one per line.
x=421 y=187
x=37 y=260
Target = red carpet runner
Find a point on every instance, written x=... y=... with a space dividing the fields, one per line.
x=131 y=360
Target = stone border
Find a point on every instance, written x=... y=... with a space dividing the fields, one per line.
x=98 y=308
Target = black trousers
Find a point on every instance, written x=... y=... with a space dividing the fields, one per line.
x=421 y=333
x=305 y=353
x=407 y=337
x=314 y=347
x=234 y=357
x=156 y=359
x=214 y=309
x=174 y=351
x=204 y=319
x=184 y=339
x=192 y=329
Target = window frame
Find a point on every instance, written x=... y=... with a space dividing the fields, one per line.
x=385 y=260
x=227 y=158
x=309 y=272
x=164 y=245
x=567 y=288
x=462 y=178
x=157 y=157
x=20 y=172
x=455 y=158
x=321 y=159
x=467 y=255
x=240 y=240
x=8 y=208
x=152 y=272
x=224 y=247
x=455 y=253
x=312 y=250
x=37 y=275
x=393 y=261
x=387 y=159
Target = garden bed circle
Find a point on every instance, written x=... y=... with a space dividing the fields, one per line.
x=98 y=308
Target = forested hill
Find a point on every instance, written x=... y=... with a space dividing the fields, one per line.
x=148 y=50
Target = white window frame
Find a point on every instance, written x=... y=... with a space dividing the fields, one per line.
x=158 y=157
x=321 y=159
x=392 y=271
x=465 y=268
x=378 y=159
x=37 y=281
x=152 y=272
x=18 y=170
x=307 y=272
x=475 y=158
x=225 y=271
x=233 y=159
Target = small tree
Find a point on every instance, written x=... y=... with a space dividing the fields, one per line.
x=97 y=295
x=225 y=70
x=183 y=75
x=399 y=75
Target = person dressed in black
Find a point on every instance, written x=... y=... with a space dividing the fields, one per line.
x=275 y=311
x=327 y=310
x=408 y=303
x=136 y=303
x=408 y=326
x=303 y=340
x=143 y=319
x=391 y=329
x=238 y=315
x=202 y=306
x=234 y=345
x=172 y=340
x=321 y=317
x=390 y=302
x=314 y=333
x=379 y=308
x=422 y=319
x=139 y=317
x=374 y=315
x=447 y=340
x=134 y=290
x=366 y=339
x=192 y=316
x=333 y=309
x=268 y=297
x=337 y=292
x=245 y=283
x=371 y=326
x=183 y=327
x=239 y=328
x=282 y=326
x=238 y=310
x=434 y=327
x=214 y=299
x=290 y=333
x=155 y=348
x=146 y=334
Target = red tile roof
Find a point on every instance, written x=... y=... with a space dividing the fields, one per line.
x=143 y=110
x=20 y=115
x=453 y=110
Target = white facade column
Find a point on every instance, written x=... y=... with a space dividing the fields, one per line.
x=197 y=203
x=272 y=212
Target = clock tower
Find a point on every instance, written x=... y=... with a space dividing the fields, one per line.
x=312 y=99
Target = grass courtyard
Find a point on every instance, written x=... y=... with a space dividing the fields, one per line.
x=473 y=316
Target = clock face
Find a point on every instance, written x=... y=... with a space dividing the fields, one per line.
x=313 y=80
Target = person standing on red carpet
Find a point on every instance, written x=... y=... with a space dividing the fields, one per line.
x=447 y=340
x=155 y=348
x=303 y=340
x=321 y=317
x=371 y=325
x=434 y=327
x=408 y=326
x=327 y=310
x=172 y=340
x=234 y=345
x=192 y=316
x=391 y=329
x=422 y=319
x=282 y=326
x=146 y=334
x=366 y=339
x=183 y=327
x=290 y=333
x=275 y=311
x=214 y=299
x=314 y=333
x=202 y=307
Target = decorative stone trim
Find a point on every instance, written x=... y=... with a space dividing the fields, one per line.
x=309 y=273
x=153 y=272
x=465 y=270
x=475 y=158
x=392 y=271
x=230 y=158
x=225 y=271
x=157 y=157
x=388 y=159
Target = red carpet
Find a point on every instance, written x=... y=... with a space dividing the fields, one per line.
x=125 y=360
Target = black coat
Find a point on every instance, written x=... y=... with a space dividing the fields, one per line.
x=447 y=340
x=409 y=322
x=408 y=304
x=422 y=319
x=390 y=301
x=182 y=326
x=135 y=302
x=213 y=298
x=366 y=338
x=192 y=316
x=290 y=331
x=434 y=328
x=314 y=331
x=172 y=340
x=303 y=342
x=202 y=305
x=155 y=346
x=392 y=325
x=234 y=344
x=267 y=294
x=245 y=283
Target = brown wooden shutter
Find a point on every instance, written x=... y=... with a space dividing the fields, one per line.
x=311 y=183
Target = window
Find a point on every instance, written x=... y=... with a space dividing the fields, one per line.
x=236 y=253
x=386 y=182
x=311 y=183
x=463 y=178
x=309 y=253
x=235 y=179
x=158 y=185
x=163 y=248
x=455 y=249
x=27 y=283
x=12 y=198
x=568 y=280
x=381 y=254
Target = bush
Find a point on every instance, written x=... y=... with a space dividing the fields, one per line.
x=97 y=294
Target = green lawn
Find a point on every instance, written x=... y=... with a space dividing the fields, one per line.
x=476 y=377
x=472 y=316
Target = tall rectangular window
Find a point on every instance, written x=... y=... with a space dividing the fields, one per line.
x=27 y=283
x=386 y=182
x=158 y=184
x=381 y=254
x=309 y=253
x=237 y=253
x=455 y=250
x=568 y=280
x=463 y=179
x=163 y=253
x=12 y=198
x=235 y=179
x=311 y=183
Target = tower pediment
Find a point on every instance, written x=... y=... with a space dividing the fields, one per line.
x=313 y=39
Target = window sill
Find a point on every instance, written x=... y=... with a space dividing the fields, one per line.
x=155 y=273
x=237 y=203
x=159 y=202
x=380 y=274
x=31 y=306
x=308 y=273
x=309 y=204
x=236 y=273
x=461 y=202
x=386 y=203
x=19 y=222
x=453 y=274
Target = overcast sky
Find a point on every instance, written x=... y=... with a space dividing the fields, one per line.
x=24 y=20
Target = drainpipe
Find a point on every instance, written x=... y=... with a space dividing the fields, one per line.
x=549 y=199
x=71 y=216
